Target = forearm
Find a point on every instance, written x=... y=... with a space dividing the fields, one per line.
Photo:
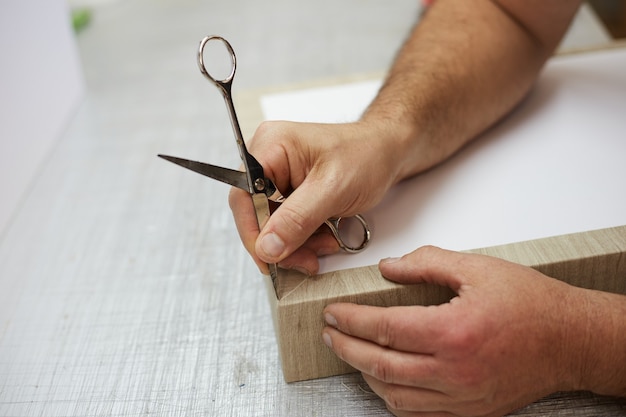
x=464 y=66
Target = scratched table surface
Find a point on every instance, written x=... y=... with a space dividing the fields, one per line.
x=124 y=289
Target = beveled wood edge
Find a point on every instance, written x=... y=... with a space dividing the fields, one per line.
x=594 y=259
x=556 y=256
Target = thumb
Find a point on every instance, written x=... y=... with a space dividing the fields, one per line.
x=293 y=222
x=427 y=264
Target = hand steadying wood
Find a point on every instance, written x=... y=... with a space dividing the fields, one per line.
x=511 y=336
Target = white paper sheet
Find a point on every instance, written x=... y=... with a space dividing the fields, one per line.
x=556 y=165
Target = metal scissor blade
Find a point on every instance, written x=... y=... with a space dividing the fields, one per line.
x=229 y=176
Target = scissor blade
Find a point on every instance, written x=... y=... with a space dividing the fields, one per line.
x=229 y=176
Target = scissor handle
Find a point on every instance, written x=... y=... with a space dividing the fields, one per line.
x=333 y=224
x=224 y=83
x=254 y=171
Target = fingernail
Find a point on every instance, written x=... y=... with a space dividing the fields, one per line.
x=302 y=270
x=327 y=340
x=390 y=260
x=327 y=250
x=330 y=319
x=272 y=245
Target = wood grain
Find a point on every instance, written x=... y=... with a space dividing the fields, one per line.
x=594 y=259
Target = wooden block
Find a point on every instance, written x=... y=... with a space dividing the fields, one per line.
x=595 y=259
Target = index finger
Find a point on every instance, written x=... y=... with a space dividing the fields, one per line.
x=406 y=328
x=246 y=222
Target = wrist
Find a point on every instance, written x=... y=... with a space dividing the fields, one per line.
x=597 y=343
x=408 y=153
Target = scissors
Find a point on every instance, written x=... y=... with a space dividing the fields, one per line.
x=252 y=179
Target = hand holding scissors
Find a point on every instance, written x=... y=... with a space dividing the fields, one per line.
x=253 y=179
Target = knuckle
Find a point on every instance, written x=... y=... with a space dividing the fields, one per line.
x=469 y=383
x=346 y=324
x=384 y=332
x=429 y=248
x=428 y=251
x=268 y=139
x=464 y=343
x=293 y=220
x=269 y=132
x=382 y=369
x=263 y=131
x=465 y=337
x=393 y=397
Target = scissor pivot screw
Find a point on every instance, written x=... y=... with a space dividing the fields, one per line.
x=259 y=184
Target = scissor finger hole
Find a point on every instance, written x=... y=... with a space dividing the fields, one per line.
x=216 y=59
x=352 y=233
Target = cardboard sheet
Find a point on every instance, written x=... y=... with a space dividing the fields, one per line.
x=556 y=165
